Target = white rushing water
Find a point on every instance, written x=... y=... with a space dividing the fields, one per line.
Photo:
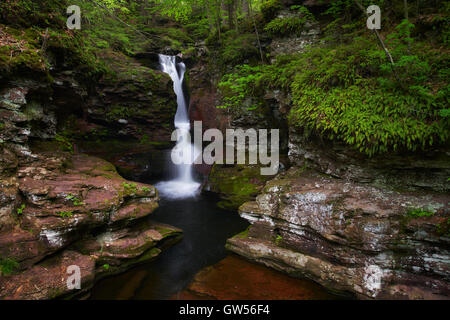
x=183 y=185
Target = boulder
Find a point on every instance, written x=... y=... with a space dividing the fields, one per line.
x=349 y=237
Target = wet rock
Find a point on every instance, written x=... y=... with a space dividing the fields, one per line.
x=136 y=101
x=350 y=237
x=405 y=171
x=58 y=201
x=61 y=205
x=118 y=249
x=235 y=184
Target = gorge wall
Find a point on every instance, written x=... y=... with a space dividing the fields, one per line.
x=59 y=206
x=375 y=227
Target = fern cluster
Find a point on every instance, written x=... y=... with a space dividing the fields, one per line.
x=348 y=93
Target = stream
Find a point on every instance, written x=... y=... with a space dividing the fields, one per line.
x=206 y=227
x=205 y=230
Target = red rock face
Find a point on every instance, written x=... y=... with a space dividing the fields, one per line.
x=235 y=278
x=202 y=107
x=47 y=280
x=350 y=237
x=67 y=200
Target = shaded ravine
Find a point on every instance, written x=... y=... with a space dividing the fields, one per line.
x=206 y=227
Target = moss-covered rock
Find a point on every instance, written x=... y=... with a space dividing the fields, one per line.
x=235 y=184
x=350 y=237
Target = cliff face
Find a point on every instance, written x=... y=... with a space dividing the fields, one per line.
x=59 y=207
x=350 y=237
x=374 y=227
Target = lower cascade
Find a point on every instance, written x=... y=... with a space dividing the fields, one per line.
x=183 y=185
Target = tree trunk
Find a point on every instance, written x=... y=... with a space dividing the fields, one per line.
x=231 y=13
x=256 y=30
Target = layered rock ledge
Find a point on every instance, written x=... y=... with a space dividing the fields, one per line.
x=349 y=237
x=73 y=210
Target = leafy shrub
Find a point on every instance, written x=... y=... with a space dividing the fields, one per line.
x=238 y=47
x=198 y=30
x=285 y=26
x=348 y=93
x=345 y=93
x=65 y=214
x=419 y=213
x=8 y=266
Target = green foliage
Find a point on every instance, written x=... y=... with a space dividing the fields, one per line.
x=74 y=199
x=30 y=13
x=278 y=239
x=236 y=87
x=348 y=93
x=270 y=8
x=65 y=214
x=237 y=47
x=64 y=143
x=199 y=29
x=180 y=10
x=145 y=189
x=338 y=8
x=20 y=209
x=345 y=93
x=285 y=26
x=419 y=213
x=304 y=12
x=8 y=266
x=129 y=188
x=106 y=266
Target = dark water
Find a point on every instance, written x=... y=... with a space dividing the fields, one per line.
x=205 y=227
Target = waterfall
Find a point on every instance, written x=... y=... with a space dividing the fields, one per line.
x=183 y=185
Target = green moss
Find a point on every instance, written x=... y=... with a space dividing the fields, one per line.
x=443 y=228
x=243 y=234
x=65 y=214
x=8 y=266
x=236 y=185
x=270 y=8
x=128 y=189
x=419 y=213
x=285 y=26
x=64 y=143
